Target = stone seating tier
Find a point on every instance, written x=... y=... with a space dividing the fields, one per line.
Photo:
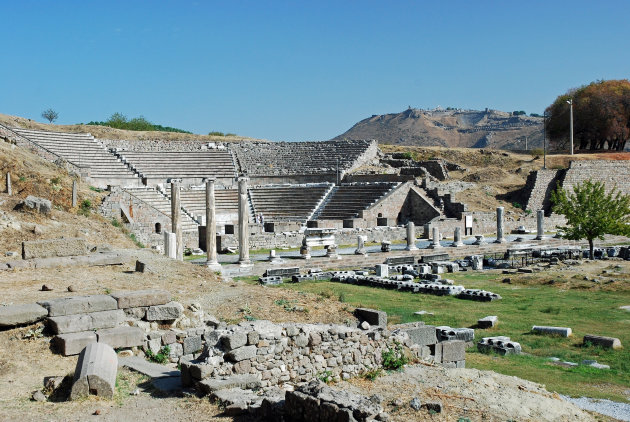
x=194 y=200
x=169 y=164
x=162 y=204
x=294 y=203
x=348 y=200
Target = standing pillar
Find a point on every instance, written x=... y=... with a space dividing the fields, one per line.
x=176 y=219
x=74 y=194
x=243 y=222
x=457 y=237
x=361 y=245
x=170 y=249
x=540 y=225
x=211 y=227
x=436 y=239
x=9 y=190
x=500 y=238
x=411 y=237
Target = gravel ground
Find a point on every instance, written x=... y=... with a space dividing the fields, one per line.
x=610 y=408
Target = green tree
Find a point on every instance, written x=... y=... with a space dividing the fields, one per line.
x=591 y=212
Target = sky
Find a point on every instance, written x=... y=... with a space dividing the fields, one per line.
x=299 y=70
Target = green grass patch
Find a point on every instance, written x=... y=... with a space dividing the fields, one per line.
x=522 y=306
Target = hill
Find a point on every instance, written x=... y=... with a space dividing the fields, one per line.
x=105 y=132
x=451 y=128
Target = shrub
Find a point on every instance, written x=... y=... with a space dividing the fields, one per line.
x=85 y=208
x=373 y=374
x=115 y=222
x=537 y=151
x=159 y=357
x=216 y=133
x=395 y=358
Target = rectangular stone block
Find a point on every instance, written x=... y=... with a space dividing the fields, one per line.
x=167 y=312
x=121 y=336
x=382 y=270
x=242 y=353
x=169 y=337
x=453 y=351
x=192 y=344
x=137 y=298
x=436 y=352
x=53 y=247
x=488 y=322
x=605 y=342
x=79 y=305
x=422 y=335
x=86 y=322
x=27 y=313
x=372 y=316
x=73 y=343
x=554 y=331
x=211 y=385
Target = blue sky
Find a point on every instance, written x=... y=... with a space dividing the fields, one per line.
x=298 y=70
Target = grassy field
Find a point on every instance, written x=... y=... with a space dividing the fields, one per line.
x=567 y=301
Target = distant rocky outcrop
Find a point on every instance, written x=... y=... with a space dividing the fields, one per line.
x=451 y=128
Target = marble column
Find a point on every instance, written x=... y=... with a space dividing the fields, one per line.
x=361 y=245
x=500 y=238
x=74 y=194
x=169 y=245
x=9 y=190
x=211 y=227
x=457 y=237
x=411 y=237
x=176 y=219
x=243 y=222
x=540 y=225
x=435 y=243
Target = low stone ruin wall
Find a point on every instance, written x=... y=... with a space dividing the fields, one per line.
x=154 y=145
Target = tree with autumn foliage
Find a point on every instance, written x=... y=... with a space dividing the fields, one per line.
x=601 y=117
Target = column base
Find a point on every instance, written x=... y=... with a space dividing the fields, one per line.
x=213 y=265
x=457 y=244
x=502 y=240
x=411 y=248
x=434 y=246
x=540 y=238
x=245 y=263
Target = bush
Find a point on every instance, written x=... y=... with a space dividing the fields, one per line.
x=85 y=208
x=216 y=133
x=159 y=357
x=395 y=358
x=373 y=374
x=120 y=121
x=536 y=151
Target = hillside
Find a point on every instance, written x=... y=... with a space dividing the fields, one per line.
x=451 y=128
x=105 y=132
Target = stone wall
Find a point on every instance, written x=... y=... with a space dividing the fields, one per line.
x=154 y=145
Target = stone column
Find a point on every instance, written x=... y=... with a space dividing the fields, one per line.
x=435 y=243
x=500 y=238
x=170 y=249
x=176 y=219
x=243 y=222
x=74 y=194
x=9 y=190
x=540 y=225
x=211 y=227
x=457 y=237
x=411 y=237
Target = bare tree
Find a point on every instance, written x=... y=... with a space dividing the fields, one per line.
x=50 y=115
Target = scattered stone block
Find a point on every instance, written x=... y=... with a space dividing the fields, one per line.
x=423 y=335
x=74 y=343
x=53 y=248
x=554 y=331
x=86 y=322
x=140 y=266
x=121 y=336
x=95 y=372
x=453 y=351
x=211 y=385
x=169 y=337
x=382 y=270
x=167 y=312
x=13 y=315
x=234 y=340
x=41 y=205
x=372 y=316
x=79 y=305
x=138 y=298
x=192 y=344
x=445 y=333
x=487 y=322
x=605 y=342
x=500 y=344
x=242 y=353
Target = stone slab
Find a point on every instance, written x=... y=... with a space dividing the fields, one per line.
x=192 y=344
x=422 y=335
x=211 y=385
x=72 y=343
x=86 y=322
x=488 y=322
x=28 y=313
x=137 y=298
x=242 y=353
x=95 y=372
x=79 y=305
x=121 y=336
x=153 y=370
x=53 y=248
x=166 y=312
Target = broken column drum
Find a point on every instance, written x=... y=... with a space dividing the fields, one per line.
x=500 y=238
x=170 y=249
x=435 y=244
x=411 y=237
x=176 y=219
x=540 y=228
x=211 y=225
x=243 y=222
x=360 y=245
x=95 y=372
x=457 y=237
